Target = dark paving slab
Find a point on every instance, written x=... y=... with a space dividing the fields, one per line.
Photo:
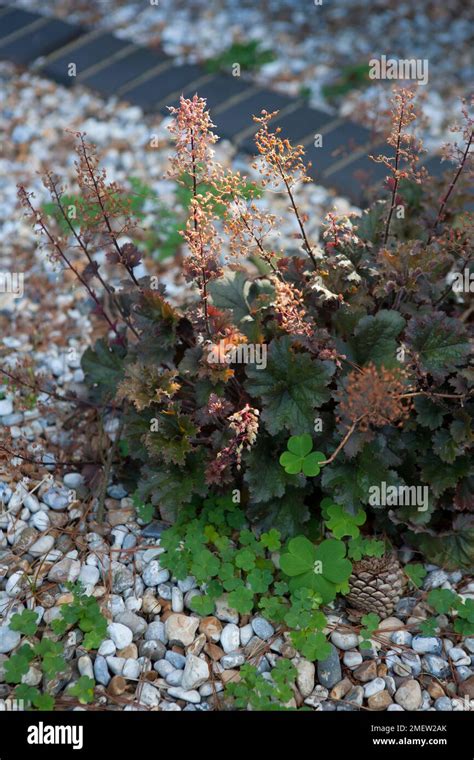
x=296 y=125
x=108 y=79
x=219 y=89
x=85 y=53
x=43 y=40
x=151 y=93
x=14 y=19
x=339 y=144
x=437 y=168
x=359 y=178
x=238 y=117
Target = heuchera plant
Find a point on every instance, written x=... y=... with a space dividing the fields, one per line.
x=289 y=377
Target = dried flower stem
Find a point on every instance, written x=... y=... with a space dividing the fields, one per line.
x=83 y=247
x=450 y=189
x=344 y=440
x=307 y=246
x=36 y=215
x=396 y=177
x=58 y=397
x=105 y=216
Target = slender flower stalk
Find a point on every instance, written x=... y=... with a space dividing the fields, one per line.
x=58 y=253
x=191 y=129
x=282 y=162
x=403 y=165
x=462 y=156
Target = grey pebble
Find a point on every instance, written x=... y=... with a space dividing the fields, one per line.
x=329 y=670
x=174 y=678
x=262 y=628
x=101 y=671
x=177 y=660
x=232 y=660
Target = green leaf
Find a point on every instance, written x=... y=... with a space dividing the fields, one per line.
x=241 y=600
x=205 y=565
x=298 y=457
x=445 y=446
x=452 y=550
x=300 y=557
x=300 y=445
x=271 y=540
x=429 y=627
x=341 y=523
x=291 y=387
x=103 y=369
x=83 y=689
x=416 y=573
x=231 y=291
x=203 y=604
x=440 y=343
x=44 y=702
x=26 y=693
x=321 y=568
x=374 y=339
x=443 y=600
x=365 y=547
x=289 y=514
x=429 y=414
x=26 y=622
x=370 y=621
x=313 y=646
x=245 y=559
x=259 y=580
x=263 y=473
x=17 y=666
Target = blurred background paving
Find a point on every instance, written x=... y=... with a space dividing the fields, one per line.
x=309 y=62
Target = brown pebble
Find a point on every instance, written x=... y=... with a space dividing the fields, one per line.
x=117 y=686
x=382 y=670
x=366 y=671
x=230 y=675
x=435 y=689
x=129 y=652
x=211 y=627
x=214 y=652
x=197 y=646
x=341 y=689
x=288 y=651
x=380 y=701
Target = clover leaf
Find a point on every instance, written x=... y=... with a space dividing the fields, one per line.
x=313 y=646
x=260 y=580
x=271 y=540
x=241 y=600
x=26 y=622
x=416 y=573
x=202 y=604
x=245 y=559
x=322 y=568
x=341 y=523
x=83 y=689
x=299 y=456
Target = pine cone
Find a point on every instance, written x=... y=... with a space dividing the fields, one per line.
x=376 y=585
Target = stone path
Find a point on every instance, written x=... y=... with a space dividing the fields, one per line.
x=70 y=54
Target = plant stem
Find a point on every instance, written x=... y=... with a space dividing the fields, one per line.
x=83 y=247
x=296 y=212
x=395 y=175
x=451 y=187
